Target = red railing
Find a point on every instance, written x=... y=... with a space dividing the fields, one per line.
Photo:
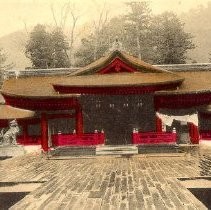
x=206 y=135
x=30 y=140
x=86 y=139
x=154 y=138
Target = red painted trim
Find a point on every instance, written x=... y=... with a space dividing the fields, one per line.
x=116 y=66
x=32 y=121
x=79 y=120
x=205 y=134
x=31 y=140
x=44 y=132
x=115 y=90
x=181 y=100
x=41 y=104
x=85 y=139
x=4 y=123
x=158 y=124
x=25 y=132
x=56 y=116
x=154 y=138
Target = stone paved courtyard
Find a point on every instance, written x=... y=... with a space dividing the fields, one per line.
x=108 y=182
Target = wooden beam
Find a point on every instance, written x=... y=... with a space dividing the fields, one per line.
x=44 y=132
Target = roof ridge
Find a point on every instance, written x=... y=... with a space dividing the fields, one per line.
x=136 y=63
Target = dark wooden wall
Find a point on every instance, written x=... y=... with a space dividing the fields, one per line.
x=118 y=115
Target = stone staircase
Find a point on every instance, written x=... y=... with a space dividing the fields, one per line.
x=149 y=149
x=74 y=151
x=117 y=150
x=114 y=150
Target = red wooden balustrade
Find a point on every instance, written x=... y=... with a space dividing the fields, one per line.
x=154 y=138
x=85 y=139
x=66 y=139
x=205 y=135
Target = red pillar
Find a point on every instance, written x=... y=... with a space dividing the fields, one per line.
x=79 y=120
x=25 y=133
x=194 y=133
x=44 y=132
x=158 y=124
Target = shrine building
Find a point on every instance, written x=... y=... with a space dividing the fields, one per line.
x=116 y=100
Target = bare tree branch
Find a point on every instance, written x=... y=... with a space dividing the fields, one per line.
x=25 y=26
x=53 y=13
x=99 y=25
x=67 y=11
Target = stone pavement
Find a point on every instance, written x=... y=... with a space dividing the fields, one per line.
x=108 y=182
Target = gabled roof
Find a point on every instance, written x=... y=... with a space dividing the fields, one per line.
x=136 y=63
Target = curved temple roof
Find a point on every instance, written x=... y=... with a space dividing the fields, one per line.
x=33 y=87
x=136 y=63
x=194 y=82
x=141 y=74
x=8 y=113
x=121 y=80
x=105 y=73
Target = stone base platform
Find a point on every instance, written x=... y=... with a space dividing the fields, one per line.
x=160 y=148
x=114 y=150
x=117 y=150
x=74 y=151
x=11 y=150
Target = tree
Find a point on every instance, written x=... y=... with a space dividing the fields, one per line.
x=2 y=59
x=47 y=50
x=131 y=29
x=157 y=39
x=68 y=9
x=39 y=48
x=137 y=24
x=94 y=45
x=88 y=52
x=85 y=53
x=59 y=47
x=170 y=41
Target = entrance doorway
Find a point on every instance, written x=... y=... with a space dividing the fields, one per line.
x=118 y=115
x=118 y=126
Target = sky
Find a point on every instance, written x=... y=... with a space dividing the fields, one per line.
x=16 y=14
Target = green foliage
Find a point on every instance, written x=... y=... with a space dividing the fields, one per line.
x=38 y=48
x=60 y=47
x=170 y=42
x=85 y=54
x=47 y=50
x=156 y=39
x=137 y=25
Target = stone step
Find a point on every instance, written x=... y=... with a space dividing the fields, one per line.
x=74 y=151
x=116 y=150
x=147 y=149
